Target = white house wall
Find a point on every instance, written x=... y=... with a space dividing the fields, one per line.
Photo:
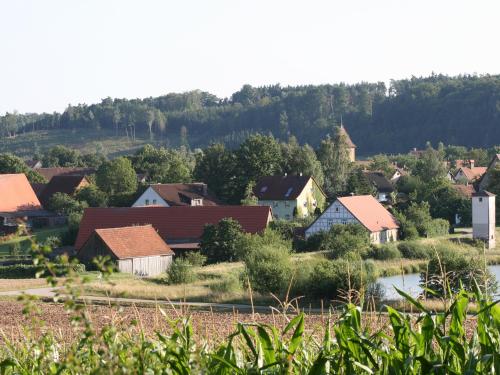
x=151 y=196
x=145 y=266
x=335 y=214
x=483 y=219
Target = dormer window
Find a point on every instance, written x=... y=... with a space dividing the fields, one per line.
x=263 y=189
x=288 y=192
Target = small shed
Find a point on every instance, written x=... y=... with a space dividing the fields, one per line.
x=138 y=250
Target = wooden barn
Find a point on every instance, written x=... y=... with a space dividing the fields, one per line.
x=138 y=250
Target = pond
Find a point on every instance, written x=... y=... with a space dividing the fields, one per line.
x=410 y=283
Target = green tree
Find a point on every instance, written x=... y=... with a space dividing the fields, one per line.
x=334 y=156
x=64 y=204
x=92 y=196
x=297 y=160
x=359 y=184
x=13 y=164
x=216 y=166
x=431 y=165
x=116 y=176
x=61 y=156
x=382 y=163
x=219 y=242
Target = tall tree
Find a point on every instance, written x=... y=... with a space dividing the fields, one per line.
x=334 y=156
x=116 y=177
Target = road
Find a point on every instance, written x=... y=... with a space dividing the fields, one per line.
x=47 y=294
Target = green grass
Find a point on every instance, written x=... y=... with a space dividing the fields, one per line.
x=25 y=241
x=86 y=141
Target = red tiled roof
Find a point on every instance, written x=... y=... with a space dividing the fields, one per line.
x=472 y=174
x=174 y=224
x=178 y=194
x=134 y=241
x=369 y=212
x=16 y=194
x=280 y=187
x=48 y=173
x=62 y=184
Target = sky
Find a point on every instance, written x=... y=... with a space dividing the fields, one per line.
x=57 y=52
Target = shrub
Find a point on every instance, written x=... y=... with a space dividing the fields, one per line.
x=180 y=272
x=247 y=242
x=332 y=279
x=384 y=252
x=414 y=250
x=195 y=258
x=229 y=284
x=342 y=239
x=286 y=228
x=438 y=227
x=268 y=268
x=69 y=237
x=64 y=204
x=52 y=242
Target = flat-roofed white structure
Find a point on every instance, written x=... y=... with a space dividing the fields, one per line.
x=483 y=217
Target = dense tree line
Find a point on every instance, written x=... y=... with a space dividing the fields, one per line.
x=456 y=110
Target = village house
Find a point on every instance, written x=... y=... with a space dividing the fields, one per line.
x=290 y=196
x=48 y=173
x=468 y=174
x=179 y=226
x=483 y=184
x=383 y=186
x=67 y=184
x=359 y=209
x=18 y=203
x=167 y=195
x=138 y=250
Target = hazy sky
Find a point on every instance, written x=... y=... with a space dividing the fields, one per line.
x=56 y=52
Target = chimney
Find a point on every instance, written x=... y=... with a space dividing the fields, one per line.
x=471 y=163
x=300 y=174
x=286 y=174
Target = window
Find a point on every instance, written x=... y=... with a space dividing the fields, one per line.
x=154 y=201
x=147 y=202
x=336 y=209
x=288 y=192
x=263 y=189
x=275 y=204
x=480 y=199
x=330 y=222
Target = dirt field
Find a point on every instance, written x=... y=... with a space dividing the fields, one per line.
x=209 y=326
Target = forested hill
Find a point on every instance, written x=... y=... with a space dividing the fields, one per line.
x=462 y=110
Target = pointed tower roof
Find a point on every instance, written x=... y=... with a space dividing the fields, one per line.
x=349 y=142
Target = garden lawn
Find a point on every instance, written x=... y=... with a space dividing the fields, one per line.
x=25 y=241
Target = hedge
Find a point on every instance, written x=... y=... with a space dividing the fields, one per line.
x=28 y=271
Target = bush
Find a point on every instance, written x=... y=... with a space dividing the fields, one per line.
x=229 y=284
x=286 y=228
x=52 y=242
x=342 y=239
x=269 y=269
x=64 y=204
x=69 y=237
x=247 y=242
x=415 y=250
x=195 y=258
x=332 y=279
x=180 y=272
x=438 y=227
x=384 y=252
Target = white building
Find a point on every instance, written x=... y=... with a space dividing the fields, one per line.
x=359 y=209
x=167 y=195
x=483 y=217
